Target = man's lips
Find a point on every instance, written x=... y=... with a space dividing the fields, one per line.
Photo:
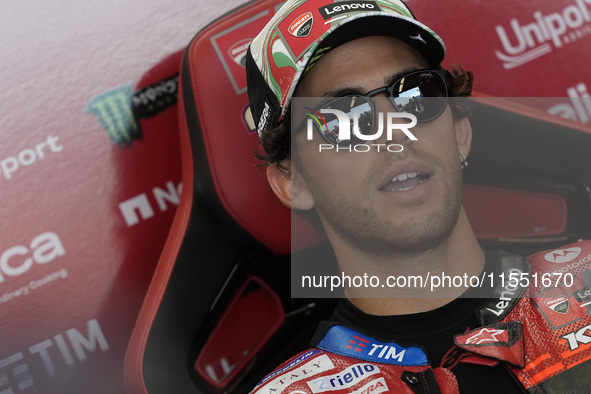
x=405 y=182
x=405 y=177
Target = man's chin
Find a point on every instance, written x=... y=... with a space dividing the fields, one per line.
x=421 y=235
x=406 y=247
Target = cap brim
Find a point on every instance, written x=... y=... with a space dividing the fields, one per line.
x=412 y=32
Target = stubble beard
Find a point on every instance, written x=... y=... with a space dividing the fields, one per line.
x=377 y=236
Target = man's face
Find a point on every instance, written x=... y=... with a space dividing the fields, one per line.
x=354 y=193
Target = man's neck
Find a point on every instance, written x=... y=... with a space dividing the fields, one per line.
x=414 y=283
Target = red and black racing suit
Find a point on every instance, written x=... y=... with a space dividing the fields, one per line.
x=534 y=339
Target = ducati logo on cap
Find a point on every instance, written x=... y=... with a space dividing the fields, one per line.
x=302 y=25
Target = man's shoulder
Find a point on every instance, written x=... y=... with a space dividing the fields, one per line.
x=347 y=361
x=319 y=371
x=554 y=318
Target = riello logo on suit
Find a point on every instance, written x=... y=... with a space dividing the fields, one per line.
x=524 y=41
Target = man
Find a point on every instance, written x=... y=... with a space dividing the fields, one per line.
x=386 y=213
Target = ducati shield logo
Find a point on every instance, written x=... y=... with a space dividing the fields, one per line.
x=238 y=51
x=557 y=304
x=302 y=25
x=563 y=255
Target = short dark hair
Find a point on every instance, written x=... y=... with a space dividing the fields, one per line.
x=276 y=142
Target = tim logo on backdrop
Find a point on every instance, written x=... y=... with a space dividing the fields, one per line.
x=342 y=128
x=525 y=41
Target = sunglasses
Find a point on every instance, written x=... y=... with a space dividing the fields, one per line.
x=422 y=93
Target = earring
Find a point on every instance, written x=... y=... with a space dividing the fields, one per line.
x=464 y=162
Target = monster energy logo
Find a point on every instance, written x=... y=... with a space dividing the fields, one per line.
x=113 y=110
x=119 y=110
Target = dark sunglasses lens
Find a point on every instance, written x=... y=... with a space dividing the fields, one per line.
x=423 y=94
x=359 y=115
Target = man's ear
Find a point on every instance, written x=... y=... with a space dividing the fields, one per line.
x=289 y=186
x=463 y=135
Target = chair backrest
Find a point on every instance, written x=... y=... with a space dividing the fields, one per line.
x=218 y=314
